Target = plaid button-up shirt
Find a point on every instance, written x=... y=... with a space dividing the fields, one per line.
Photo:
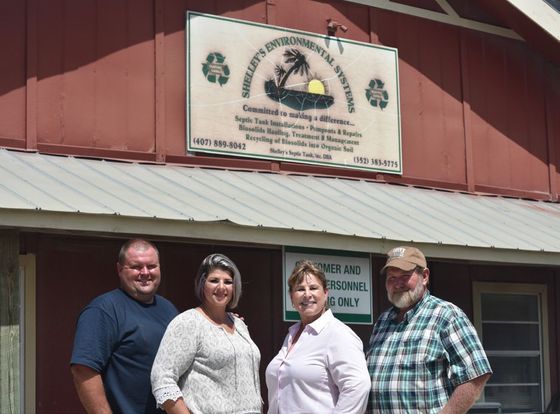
x=416 y=364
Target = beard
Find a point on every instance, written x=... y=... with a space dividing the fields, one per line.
x=403 y=300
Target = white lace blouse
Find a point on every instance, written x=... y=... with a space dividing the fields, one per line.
x=214 y=371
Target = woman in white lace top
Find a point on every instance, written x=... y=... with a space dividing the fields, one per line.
x=207 y=362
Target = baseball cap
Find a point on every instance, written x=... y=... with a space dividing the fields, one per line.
x=405 y=258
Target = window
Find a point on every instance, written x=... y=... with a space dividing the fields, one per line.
x=511 y=322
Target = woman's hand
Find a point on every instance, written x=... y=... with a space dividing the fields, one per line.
x=176 y=407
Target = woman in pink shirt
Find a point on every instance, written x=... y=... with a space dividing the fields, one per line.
x=321 y=366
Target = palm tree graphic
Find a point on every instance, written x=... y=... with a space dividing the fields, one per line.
x=299 y=66
x=280 y=72
x=300 y=100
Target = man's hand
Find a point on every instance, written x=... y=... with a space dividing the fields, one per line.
x=89 y=386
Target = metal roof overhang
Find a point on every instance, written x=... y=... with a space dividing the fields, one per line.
x=57 y=193
x=533 y=21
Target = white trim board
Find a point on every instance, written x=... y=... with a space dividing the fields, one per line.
x=451 y=18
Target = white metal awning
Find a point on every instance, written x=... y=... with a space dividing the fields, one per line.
x=540 y=13
x=59 y=193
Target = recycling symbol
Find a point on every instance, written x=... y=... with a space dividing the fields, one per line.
x=376 y=94
x=214 y=69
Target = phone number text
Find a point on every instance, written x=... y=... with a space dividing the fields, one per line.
x=376 y=162
x=219 y=143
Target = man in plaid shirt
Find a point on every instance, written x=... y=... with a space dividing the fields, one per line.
x=424 y=354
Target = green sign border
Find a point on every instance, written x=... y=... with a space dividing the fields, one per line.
x=191 y=14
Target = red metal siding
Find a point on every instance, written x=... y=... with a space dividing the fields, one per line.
x=312 y=16
x=431 y=98
x=174 y=63
x=96 y=74
x=69 y=275
x=553 y=131
x=508 y=114
x=478 y=111
x=12 y=70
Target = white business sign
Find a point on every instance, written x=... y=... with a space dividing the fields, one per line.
x=261 y=91
x=348 y=281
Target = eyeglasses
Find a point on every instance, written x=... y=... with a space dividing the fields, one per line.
x=139 y=268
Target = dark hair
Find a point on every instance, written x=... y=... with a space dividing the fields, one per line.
x=218 y=261
x=136 y=244
x=303 y=268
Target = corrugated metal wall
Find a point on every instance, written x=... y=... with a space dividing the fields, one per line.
x=107 y=78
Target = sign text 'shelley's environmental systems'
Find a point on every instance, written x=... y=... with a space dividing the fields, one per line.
x=266 y=92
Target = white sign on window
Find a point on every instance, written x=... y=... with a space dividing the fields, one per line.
x=261 y=91
x=348 y=281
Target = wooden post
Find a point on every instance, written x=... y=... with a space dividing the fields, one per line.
x=9 y=324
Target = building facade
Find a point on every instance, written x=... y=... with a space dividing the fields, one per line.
x=103 y=122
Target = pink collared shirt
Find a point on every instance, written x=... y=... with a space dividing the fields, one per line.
x=325 y=371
